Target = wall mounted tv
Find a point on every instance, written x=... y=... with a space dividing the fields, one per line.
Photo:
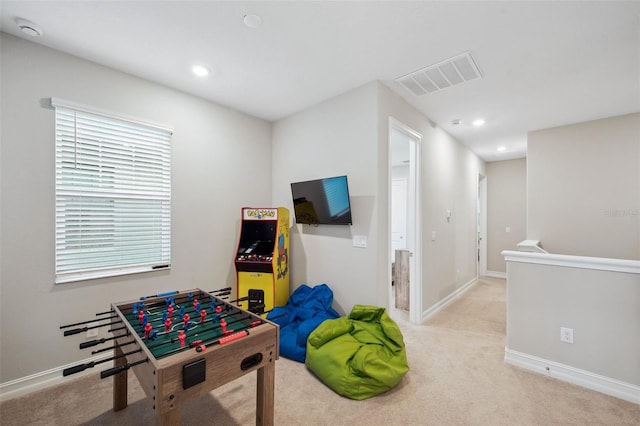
x=322 y=201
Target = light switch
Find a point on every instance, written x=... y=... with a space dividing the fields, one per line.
x=360 y=241
x=508 y=229
x=434 y=234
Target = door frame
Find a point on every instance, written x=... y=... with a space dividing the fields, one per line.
x=404 y=189
x=482 y=226
x=414 y=210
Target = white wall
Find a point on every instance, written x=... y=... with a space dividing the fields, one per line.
x=601 y=307
x=349 y=135
x=506 y=208
x=449 y=181
x=584 y=188
x=599 y=299
x=221 y=162
x=336 y=137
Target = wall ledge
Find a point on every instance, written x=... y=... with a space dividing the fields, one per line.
x=576 y=376
x=582 y=262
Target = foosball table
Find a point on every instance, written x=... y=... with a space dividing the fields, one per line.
x=182 y=345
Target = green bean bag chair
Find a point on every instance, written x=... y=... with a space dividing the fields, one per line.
x=358 y=356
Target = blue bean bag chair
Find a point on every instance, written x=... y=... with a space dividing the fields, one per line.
x=306 y=309
x=358 y=356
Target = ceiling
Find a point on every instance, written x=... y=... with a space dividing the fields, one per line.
x=542 y=64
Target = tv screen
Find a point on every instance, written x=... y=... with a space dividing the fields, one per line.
x=322 y=201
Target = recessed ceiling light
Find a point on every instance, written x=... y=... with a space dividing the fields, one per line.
x=28 y=27
x=456 y=122
x=502 y=148
x=252 y=21
x=200 y=71
x=478 y=122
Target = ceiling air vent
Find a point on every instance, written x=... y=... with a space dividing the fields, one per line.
x=433 y=78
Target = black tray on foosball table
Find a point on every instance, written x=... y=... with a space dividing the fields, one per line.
x=171 y=373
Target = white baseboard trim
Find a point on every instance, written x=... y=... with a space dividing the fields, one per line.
x=44 y=379
x=496 y=274
x=576 y=376
x=447 y=300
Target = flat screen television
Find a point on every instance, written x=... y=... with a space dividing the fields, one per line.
x=322 y=201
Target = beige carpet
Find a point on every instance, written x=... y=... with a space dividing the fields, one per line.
x=457 y=377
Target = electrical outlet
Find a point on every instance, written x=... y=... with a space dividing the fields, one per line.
x=566 y=334
x=92 y=332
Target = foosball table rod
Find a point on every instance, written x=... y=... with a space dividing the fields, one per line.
x=81 y=367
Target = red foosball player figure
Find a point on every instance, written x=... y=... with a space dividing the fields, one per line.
x=223 y=326
x=141 y=316
x=170 y=310
x=203 y=315
x=196 y=304
x=182 y=337
x=147 y=330
x=186 y=319
x=167 y=325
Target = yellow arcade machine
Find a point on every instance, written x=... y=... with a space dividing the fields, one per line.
x=262 y=259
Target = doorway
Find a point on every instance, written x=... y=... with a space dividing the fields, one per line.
x=404 y=224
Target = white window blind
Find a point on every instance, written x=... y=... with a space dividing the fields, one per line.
x=113 y=195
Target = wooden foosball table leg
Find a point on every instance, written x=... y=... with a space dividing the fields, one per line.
x=171 y=418
x=120 y=389
x=264 y=396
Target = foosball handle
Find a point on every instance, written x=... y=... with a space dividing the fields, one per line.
x=74 y=331
x=91 y=343
x=112 y=371
x=76 y=369
x=119 y=369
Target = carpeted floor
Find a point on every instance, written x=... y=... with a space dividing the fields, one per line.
x=457 y=377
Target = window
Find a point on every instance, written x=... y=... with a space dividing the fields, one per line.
x=113 y=194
